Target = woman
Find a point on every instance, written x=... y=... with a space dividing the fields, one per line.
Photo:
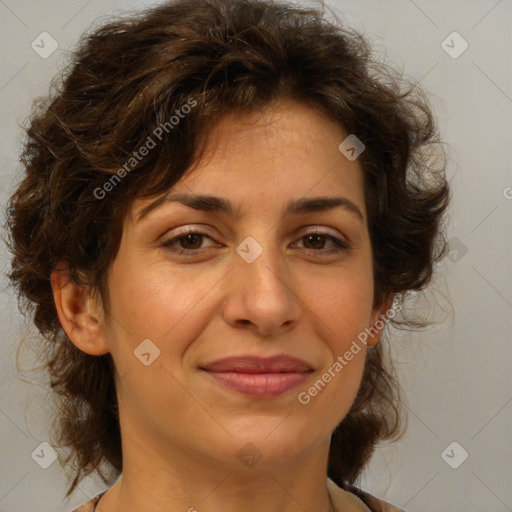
x=224 y=205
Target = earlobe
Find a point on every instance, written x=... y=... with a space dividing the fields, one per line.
x=80 y=313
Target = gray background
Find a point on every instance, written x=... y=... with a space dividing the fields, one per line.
x=456 y=374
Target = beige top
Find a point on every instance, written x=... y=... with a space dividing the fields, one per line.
x=339 y=497
x=360 y=501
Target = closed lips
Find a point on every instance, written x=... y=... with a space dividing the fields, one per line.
x=258 y=377
x=277 y=364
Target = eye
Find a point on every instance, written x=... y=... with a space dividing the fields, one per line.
x=190 y=243
x=316 y=238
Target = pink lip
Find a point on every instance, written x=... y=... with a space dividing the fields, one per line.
x=259 y=377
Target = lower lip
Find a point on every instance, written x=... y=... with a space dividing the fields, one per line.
x=261 y=385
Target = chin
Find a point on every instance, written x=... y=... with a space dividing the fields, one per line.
x=275 y=440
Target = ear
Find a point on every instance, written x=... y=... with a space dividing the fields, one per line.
x=379 y=319
x=80 y=313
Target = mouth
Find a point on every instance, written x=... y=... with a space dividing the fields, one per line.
x=259 y=377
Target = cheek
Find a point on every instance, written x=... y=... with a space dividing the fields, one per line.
x=345 y=311
x=152 y=302
x=333 y=392
x=165 y=309
x=344 y=305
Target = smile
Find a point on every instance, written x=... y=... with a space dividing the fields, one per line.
x=259 y=377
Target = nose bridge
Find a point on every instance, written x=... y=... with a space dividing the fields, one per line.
x=262 y=292
x=260 y=261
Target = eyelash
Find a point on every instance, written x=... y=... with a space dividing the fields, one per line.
x=339 y=245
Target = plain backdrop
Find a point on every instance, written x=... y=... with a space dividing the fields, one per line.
x=457 y=374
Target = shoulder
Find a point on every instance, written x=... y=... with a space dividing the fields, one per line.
x=354 y=499
x=374 y=504
x=90 y=505
x=381 y=506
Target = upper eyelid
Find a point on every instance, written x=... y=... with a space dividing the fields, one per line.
x=200 y=229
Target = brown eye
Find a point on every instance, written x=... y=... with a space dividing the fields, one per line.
x=316 y=242
x=188 y=243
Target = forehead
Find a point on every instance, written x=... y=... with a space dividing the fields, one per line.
x=272 y=157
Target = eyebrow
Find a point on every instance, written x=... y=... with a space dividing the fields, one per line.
x=223 y=205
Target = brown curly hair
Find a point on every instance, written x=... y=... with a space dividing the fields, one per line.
x=128 y=77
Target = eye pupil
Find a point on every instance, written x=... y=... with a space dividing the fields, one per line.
x=315 y=237
x=190 y=238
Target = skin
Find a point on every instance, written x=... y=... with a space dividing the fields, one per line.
x=181 y=431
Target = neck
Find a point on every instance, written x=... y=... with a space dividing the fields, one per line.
x=202 y=485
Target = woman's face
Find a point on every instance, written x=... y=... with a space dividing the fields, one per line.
x=251 y=284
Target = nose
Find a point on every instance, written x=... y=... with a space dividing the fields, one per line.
x=262 y=295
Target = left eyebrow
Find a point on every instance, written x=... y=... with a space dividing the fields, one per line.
x=223 y=205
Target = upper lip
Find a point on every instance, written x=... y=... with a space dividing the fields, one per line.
x=257 y=364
